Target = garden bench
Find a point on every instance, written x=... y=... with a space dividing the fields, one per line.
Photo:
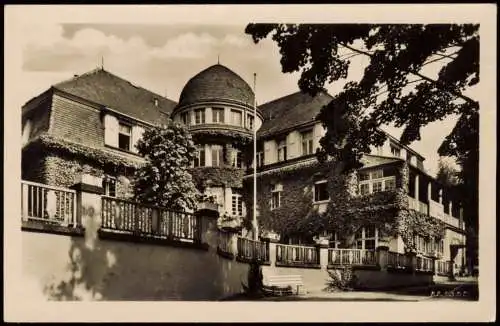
x=281 y=282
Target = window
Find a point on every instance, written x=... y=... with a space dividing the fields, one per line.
x=276 y=196
x=307 y=142
x=236 y=118
x=124 y=136
x=218 y=115
x=26 y=131
x=321 y=191
x=236 y=205
x=395 y=151
x=217 y=155
x=281 y=150
x=236 y=158
x=250 y=121
x=199 y=159
x=377 y=174
x=185 y=118
x=366 y=238
x=390 y=184
x=377 y=186
x=260 y=159
x=376 y=181
x=199 y=116
x=364 y=189
x=109 y=186
x=363 y=176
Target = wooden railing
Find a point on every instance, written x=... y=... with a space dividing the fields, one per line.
x=425 y=264
x=293 y=254
x=253 y=250
x=397 y=260
x=48 y=204
x=351 y=257
x=125 y=216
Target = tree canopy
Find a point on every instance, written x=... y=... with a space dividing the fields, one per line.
x=397 y=55
x=394 y=88
x=165 y=179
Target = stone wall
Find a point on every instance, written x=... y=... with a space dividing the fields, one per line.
x=61 y=267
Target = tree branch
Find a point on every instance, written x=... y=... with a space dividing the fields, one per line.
x=416 y=73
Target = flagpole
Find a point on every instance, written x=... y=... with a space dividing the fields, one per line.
x=254 y=220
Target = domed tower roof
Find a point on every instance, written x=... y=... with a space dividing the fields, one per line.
x=216 y=83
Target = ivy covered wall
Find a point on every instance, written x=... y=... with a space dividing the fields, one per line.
x=346 y=212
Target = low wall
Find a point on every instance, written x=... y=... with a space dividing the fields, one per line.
x=64 y=267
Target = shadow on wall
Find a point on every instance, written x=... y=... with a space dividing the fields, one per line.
x=89 y=268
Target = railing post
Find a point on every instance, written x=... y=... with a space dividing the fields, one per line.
x=271 y=243
x=322 y=250
x=24 y=202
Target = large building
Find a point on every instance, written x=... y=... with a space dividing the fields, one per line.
x=91 y=123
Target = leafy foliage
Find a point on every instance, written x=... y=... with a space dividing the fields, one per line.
x=165 y=179
x=343 y=280
x=101 y=157
x=447 y=174
x=217 y=176
x=411 y=99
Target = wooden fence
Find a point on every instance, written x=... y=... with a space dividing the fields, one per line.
x=125 y=216
x=48 y=204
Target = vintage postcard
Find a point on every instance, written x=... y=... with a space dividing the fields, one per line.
x=203 y=162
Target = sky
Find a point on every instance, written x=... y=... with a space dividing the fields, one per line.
x=162 y=58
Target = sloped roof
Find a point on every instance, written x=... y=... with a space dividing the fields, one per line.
x=290 y=111
x=104 y=88
x=216 y=82
x=370 y=160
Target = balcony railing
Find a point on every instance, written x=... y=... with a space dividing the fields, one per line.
x=125 y=216
x=397 y=260
x=293 y=255
x=436 y=210
x=252 y=250
x=351 y=257
x=48 y=204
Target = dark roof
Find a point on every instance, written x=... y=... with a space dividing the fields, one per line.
x=216 y=83
x=104 y=88
x=291 y=111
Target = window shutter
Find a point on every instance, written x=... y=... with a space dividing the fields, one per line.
x=136 y=135
x=110 y=130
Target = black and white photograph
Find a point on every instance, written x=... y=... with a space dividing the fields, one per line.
x=236 y=156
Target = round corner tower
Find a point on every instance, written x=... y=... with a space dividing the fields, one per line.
x=217 y=105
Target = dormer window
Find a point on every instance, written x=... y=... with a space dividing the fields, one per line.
x=124 y=136
x=26 y=131
x=395 y=150
x=307 y=142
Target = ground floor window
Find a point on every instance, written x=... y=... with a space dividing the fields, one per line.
x=366 y=238
x=237 y=205
x=109 y=186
